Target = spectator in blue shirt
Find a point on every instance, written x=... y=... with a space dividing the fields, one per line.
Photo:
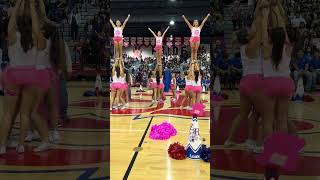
x=301 y=70
x=223 y=70
x=315 y=68
x=235 y=66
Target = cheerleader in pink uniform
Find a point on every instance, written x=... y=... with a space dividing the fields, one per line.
x=174 y=87
x=124 y=97
x=117 y=85
x=23 y=79
x=195 y=35
x=153 y=86
x=118 y=37
x=188 y=90
x=196 y=83
x=159 y=44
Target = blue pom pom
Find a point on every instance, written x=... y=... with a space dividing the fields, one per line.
x=205 y=154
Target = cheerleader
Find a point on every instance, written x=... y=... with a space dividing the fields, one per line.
x=23 y=79
x=159 y=84
x=278 y=86
x=116 y=85
x=196 y=85
x=124 y=96
x=174 y=87
x=195 y=35
x=153 y=86
x=118 y=37
x=188 y=89
x=159 y=39
x=251 y=82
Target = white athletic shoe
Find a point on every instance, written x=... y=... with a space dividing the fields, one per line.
x=250 y=144
x=31 y=136
x=229 y=144
x=20 y=149
x=3 y=149
x=55 y=136
x=12 y=144
x=44 y=146
x=258 y=149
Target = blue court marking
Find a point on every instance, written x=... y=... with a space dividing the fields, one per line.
x=87 y=172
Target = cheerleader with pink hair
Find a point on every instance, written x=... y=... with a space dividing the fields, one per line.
x=195 y=35
x=118 y=37
x=159 y=39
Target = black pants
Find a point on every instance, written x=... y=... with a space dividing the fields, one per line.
x=74 y=31
x=63 y=102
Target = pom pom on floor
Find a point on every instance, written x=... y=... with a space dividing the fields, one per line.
x=205 y=154
x=177 y=151
x=163 y=131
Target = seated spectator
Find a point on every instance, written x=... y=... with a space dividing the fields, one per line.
x=315 y=68
x=235 y=69
x=301 y=70
x=223 y=70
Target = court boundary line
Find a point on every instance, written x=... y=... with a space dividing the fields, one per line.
x=126 y=175
x=231 y=177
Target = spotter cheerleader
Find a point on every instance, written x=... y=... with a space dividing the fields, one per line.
x=195 y=35
x=251 y=82
x=118 y=37
x=174 y=87
x=196 y=85
x=117 y=84
x=24 y=81
x=159 y=39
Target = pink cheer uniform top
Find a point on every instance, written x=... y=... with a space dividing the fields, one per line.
x=153 y=83
x=21 y=69
x=188 y=85
x=196 y=85
x=251 y=80
x=43 y=66
x=116 y=83
x=124 y=82
x=158 y=43
x=277 y=82
x=195 y=34
x=118 y=34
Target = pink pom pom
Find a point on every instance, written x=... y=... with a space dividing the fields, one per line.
x=163 y=131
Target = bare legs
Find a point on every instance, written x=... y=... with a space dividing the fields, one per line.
x=194 y=50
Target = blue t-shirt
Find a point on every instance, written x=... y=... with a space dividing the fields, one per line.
x=235 y=62
x=302 y=63
x=222 y=64
x=315 y=63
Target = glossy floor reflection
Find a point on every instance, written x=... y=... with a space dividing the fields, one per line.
x=238 y=163
x=82 y=153
x=130 y=128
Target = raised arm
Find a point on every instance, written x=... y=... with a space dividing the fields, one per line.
x=204 y=21
x=12 y=25
x=154 y=34
x=188 y=23
x=125 y=22
x=165 y=31
x=112 y=23
x=41 y=43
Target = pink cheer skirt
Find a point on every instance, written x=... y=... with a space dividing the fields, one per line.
x=194 y=39
x=160 y=86
x=188 y=88
x=117 y=39
x=27 y=76
x=173 y=87
x=125 y=86
x=196 y=89
x=279 y=87
x=250 y=84
x=116 y=86
x=152 y=85
x=158 y=48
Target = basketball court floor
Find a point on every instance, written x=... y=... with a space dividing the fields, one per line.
x=134 y=155
x=82 y=153
x=239 y=164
